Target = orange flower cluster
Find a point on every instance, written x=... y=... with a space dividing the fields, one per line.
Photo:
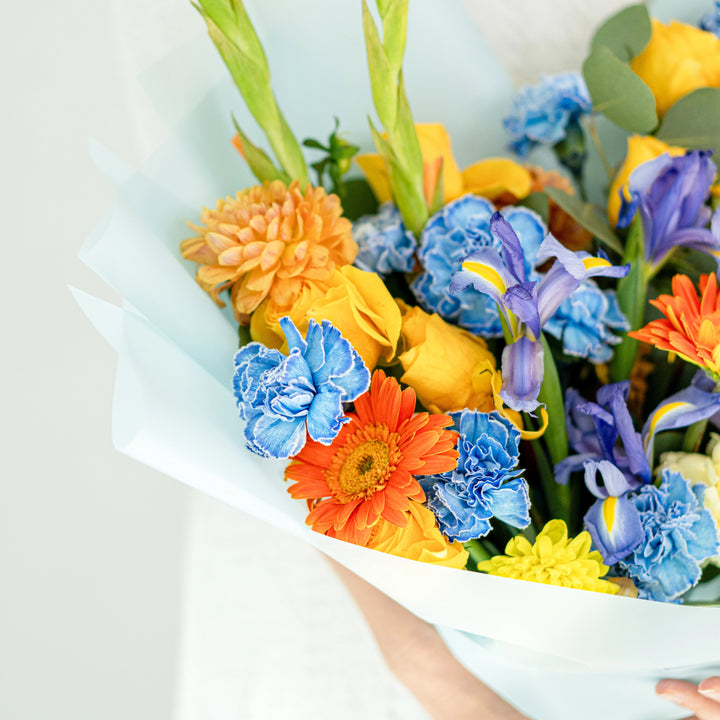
x=691 y=326
x=368 y=472
x=266 y=241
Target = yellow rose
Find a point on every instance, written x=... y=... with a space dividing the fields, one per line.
x=451 y=369
x=490 y=178
x=678 y=59
x=640 y=149
x=420 y=540
x=440 y=360
x=357 y=303
x=700 y=470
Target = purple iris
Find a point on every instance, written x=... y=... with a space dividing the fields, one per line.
x=526 y=304
x=594 y=430
x=671 y=194
x=613 y=521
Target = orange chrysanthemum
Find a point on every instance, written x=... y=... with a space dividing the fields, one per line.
x=266 y=241
x=369 y=470
x=691 y=326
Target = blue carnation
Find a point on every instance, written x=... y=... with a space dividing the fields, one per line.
x=485 y=483
x=679 y=534
x=458 y=230
x=542 y=113
x=280 y=396
x=384 y=244
x=584 y=323
x=711 y=21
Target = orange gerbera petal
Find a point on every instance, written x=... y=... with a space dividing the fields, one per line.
x=691 y=326
x=368 y=471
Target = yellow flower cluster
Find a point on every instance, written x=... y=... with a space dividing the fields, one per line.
x=554 y=559
x=419 y=540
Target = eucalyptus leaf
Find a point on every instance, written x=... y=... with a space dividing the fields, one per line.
x=626 y=33
x=618 y=93
x=588 y=216
x=694 y=121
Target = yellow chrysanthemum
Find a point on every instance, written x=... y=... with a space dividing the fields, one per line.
x=420 y=540
x=266 y=241
x=554 y=559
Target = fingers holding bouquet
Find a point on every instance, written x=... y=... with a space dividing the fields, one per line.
x=703 y=699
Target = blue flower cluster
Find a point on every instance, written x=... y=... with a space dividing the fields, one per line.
x=458 y=230
x=279 y=396
x=485 y=483
x=711 y=21
x=384 y=244
x=584 y=323
x=679 y=534
x=541 y=113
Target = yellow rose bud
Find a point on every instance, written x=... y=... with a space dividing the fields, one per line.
x=678 y=59
x=440 y=361
x=357 y=303
x=640 y=149
x=420 y=540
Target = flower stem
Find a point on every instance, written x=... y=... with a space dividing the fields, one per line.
x=592 y=129
x=694 y=436
x=476 y=550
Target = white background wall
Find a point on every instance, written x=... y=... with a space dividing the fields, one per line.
x=123 y=594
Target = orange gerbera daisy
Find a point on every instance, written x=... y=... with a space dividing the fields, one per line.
x=369 y=470
x=266 y=241
x=691 y=326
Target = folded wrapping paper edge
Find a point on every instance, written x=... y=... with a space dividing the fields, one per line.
x=170 y=414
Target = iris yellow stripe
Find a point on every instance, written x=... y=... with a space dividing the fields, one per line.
x=662 y=412
x=591 y=263
x=608 y=511
x=486 y=273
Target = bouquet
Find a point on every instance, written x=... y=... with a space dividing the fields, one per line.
x=472 y=378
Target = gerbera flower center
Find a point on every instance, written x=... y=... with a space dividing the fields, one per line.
x=364 y=464
x=365 y=467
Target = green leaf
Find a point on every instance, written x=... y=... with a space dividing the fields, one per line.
x=243 y=335
x=438 y=198
x=394 y=19
x=588 y=216
x=382 y=79
x=618 y=93
x=694 y=121
x=551 y=394
x=537 y=202
x=359 y=199
x=261 y=165
x=309 y=142
x=632 y=298
x=626 y=34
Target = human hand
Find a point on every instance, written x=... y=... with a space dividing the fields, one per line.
x=702 y=699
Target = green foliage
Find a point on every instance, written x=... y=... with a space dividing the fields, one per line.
x=338 y=153
x=232 y=32
x=626 y=33
x=537 y=202
x=694 y=122
x=261 y=165
x=618 y=93
x=401 y=151
x=588 y=215
x=632 y=298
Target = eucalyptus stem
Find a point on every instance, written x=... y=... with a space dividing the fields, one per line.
x=595 y=137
